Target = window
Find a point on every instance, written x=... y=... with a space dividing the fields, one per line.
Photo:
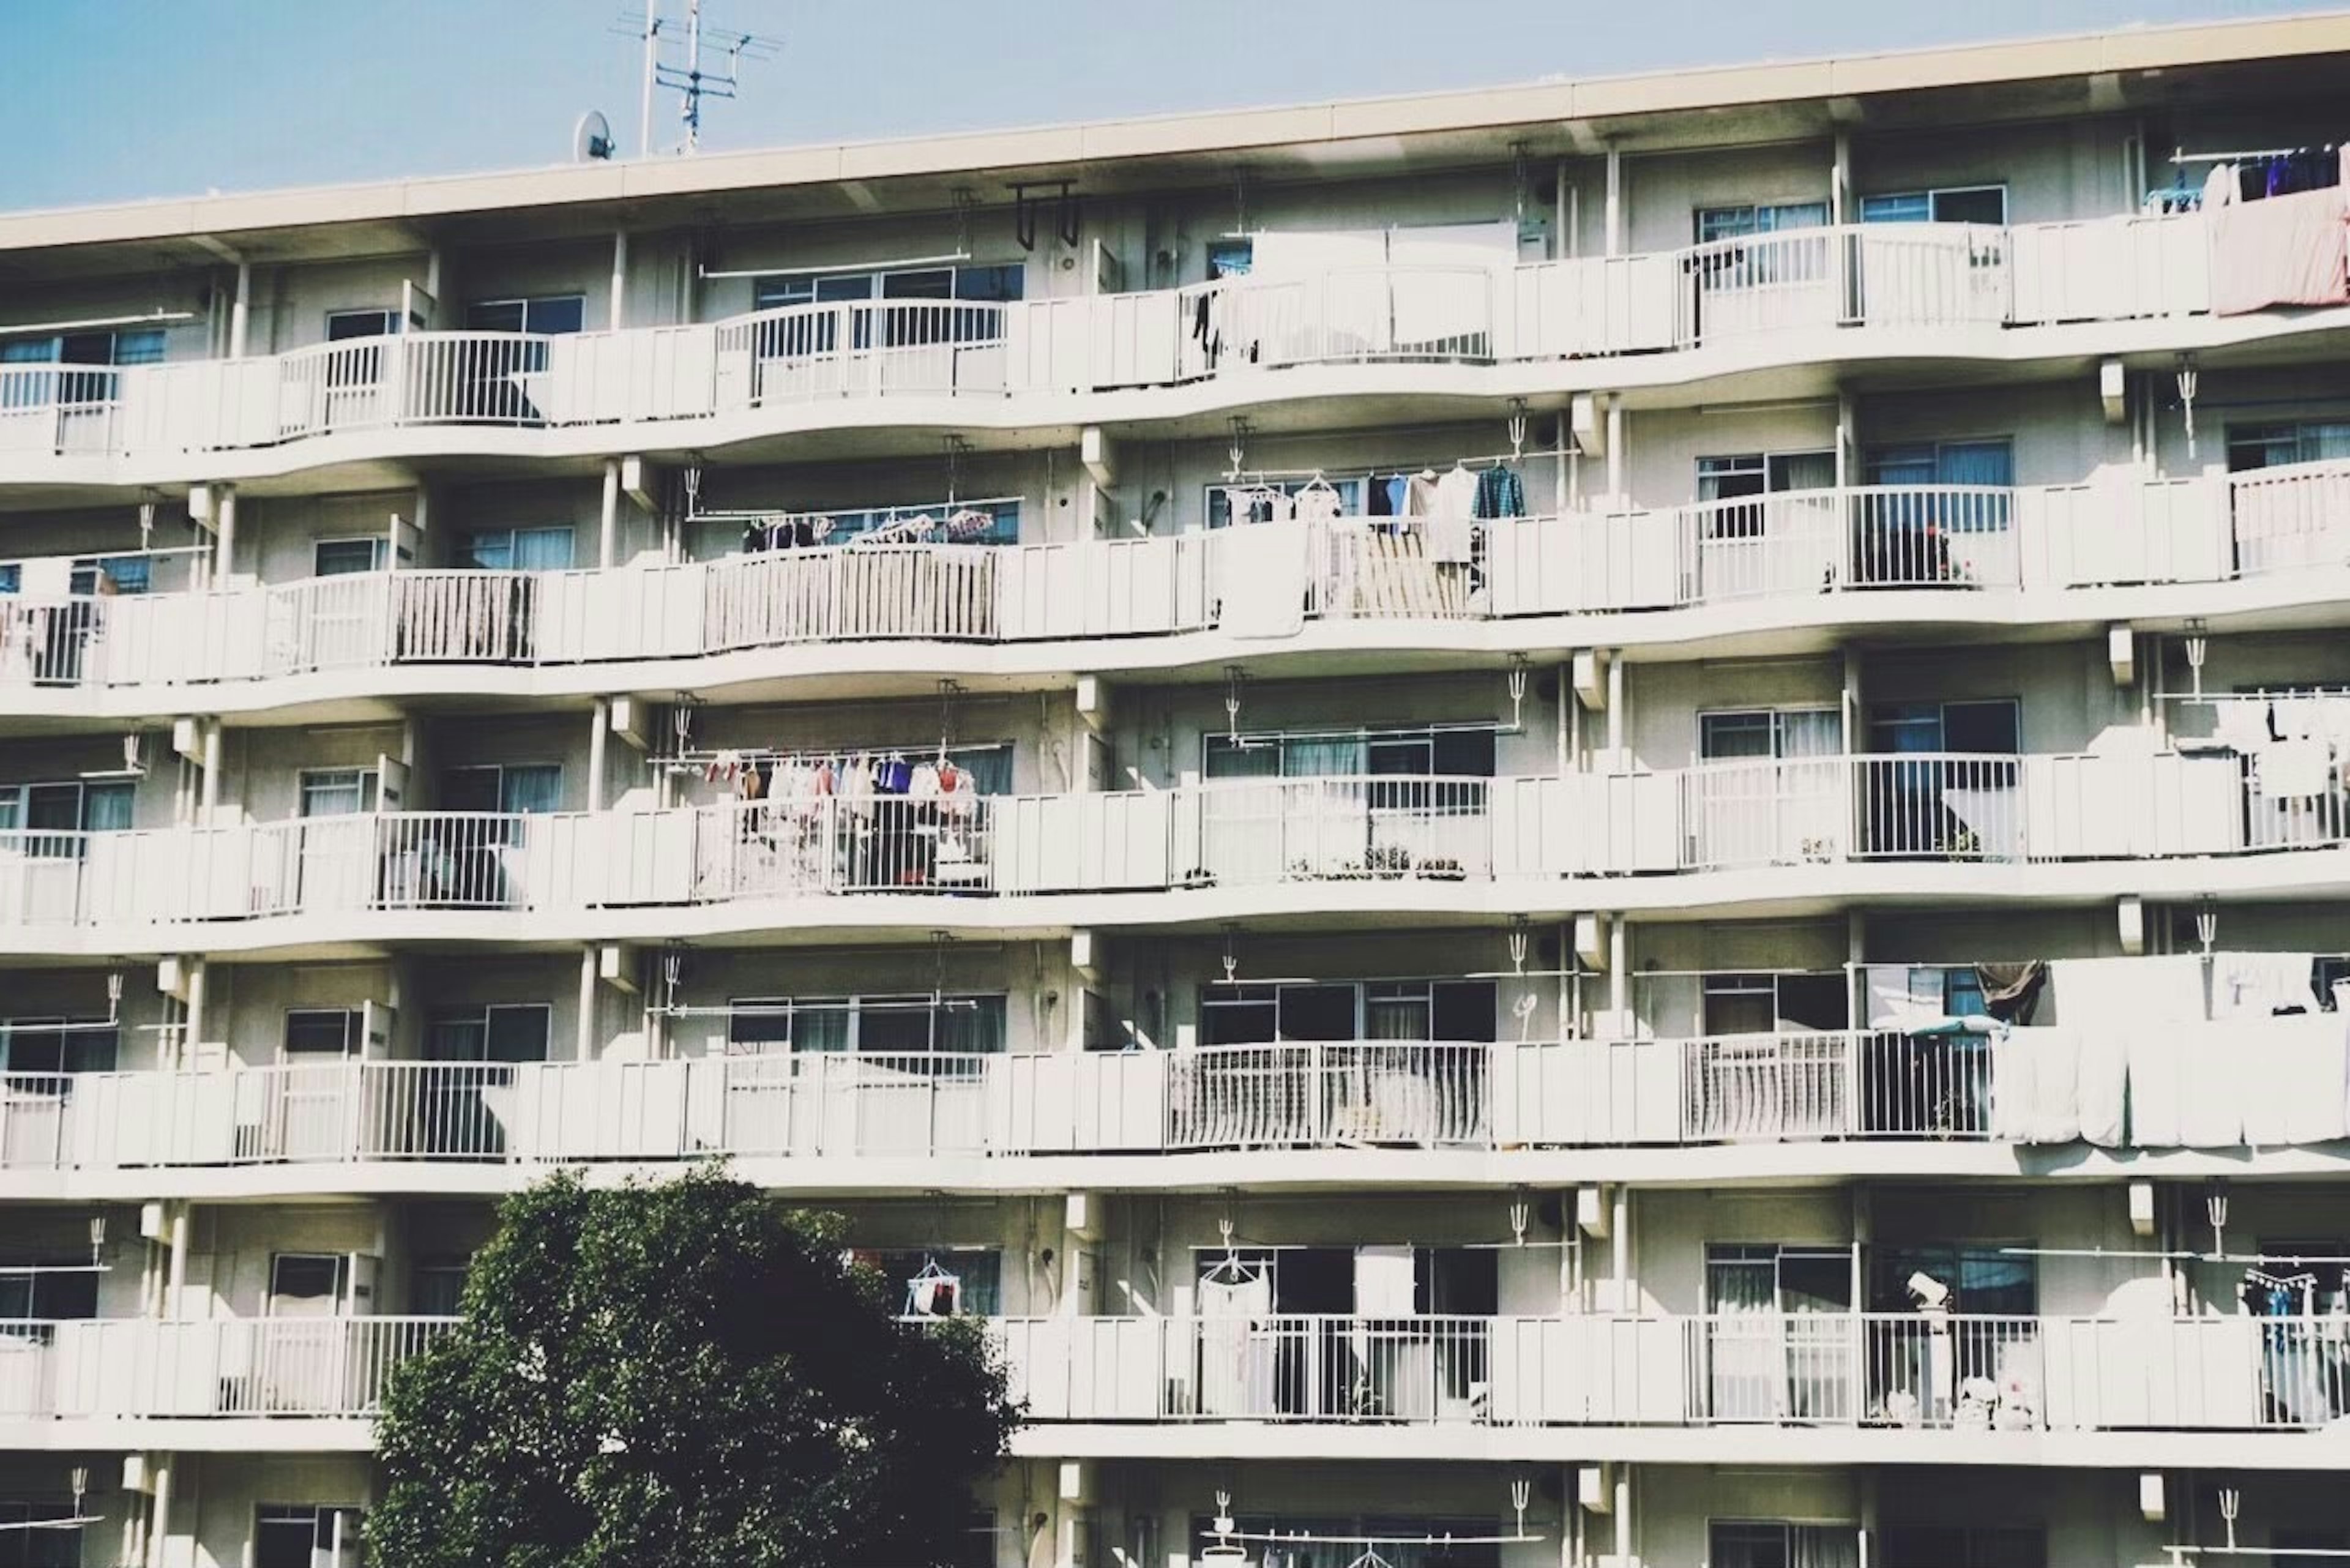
x=1953 y=204
x=906 y=1025
x=1736 y=222
x=1772 y=1543
x=507 y=1032
x=977 y=1273
x=2272 y=446
x=315 y=1033
x=1475 y=1549
x=522 y=789
x=346 y=557
x=53 y=815
x=1228 y=504
x=1781 y=733
x=1004 y=528
x=42 y=1289
x=1756 y=474
x=1981 y=727
x=436 y=1286
x=980 y=286
x=1982 y=1280
x=1963 y=1546
x=23 y=1548
x=1770 y=1277
x=128 y=346
x=1986 y=462
x=308 y=1283
x=344 y=326
x=304 y=1536
x=547 y=549
x=1230 y=258
x=1461 y=1010
x=121 y=575
x=1464 y=752
x=1775 y=1003
x=547 y=315
x=57 y=1045
x=338 y=792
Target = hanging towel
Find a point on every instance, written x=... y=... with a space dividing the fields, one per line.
x=2103 y=1087
x=2154 y=1088
x=2127 y=990
x=2257 y=985
x=2212 y=1085
x=2294 y=770
x=1383 y=1282
x=1261 y=580
x=2015 y=1058
x=2281 y=250
x=2313 y=1067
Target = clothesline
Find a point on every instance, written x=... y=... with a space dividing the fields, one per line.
x=740 y=515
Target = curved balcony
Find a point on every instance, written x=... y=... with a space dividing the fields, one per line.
x=226 y=1383
x=1866 y=557
x=1982 y=1388
x=1756 y=302
x=1762 y=1106
x=1914 y=826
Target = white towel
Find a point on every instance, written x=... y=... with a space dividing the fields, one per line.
x=2257 y=984
x=2015 y=1084
x=2102 y=1088
x=2154 y=1089
x=2127 y=990
x=2294 y=770
x=2314 y=1078
x=2210 y=1086
x=1261 y=577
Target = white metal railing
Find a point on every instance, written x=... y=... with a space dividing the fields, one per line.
x=1890 y=1371
x=1891 y=277
x=214 y=1368
x=1793 y=545
x=1808 y=1086
x=1377 y=830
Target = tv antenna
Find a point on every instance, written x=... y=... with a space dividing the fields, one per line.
x=686 y=72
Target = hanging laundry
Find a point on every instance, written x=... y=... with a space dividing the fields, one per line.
x=1501 y=494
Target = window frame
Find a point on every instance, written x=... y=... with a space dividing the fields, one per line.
x=353 y=1027
x=782 y=1013
x=378 y=551
x=366 y=786
x=484 y=1017
x=527 y=304
x=1754 y=213
x=1932 y=197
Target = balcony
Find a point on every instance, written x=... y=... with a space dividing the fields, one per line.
x=1796 y=558
x=1762 y=299
x=120 y=1371
x=1819 y=827
x=1861 y=1100
x=2008 y=1379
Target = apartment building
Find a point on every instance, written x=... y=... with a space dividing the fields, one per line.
x=1594 y=824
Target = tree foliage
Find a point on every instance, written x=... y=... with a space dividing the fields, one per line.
x=682 y=1373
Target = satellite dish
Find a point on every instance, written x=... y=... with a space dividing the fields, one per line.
x=591 y=138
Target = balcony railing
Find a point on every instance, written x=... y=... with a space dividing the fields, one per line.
x=1889 y=277
x=206 y=1368
x=1793 y=546
x=1396 y=1097
x=1892 y=1371
x=1379 y=831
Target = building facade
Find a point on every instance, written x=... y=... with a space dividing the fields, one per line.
x=1592 y=825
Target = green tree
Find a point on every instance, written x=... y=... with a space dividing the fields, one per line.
x=682 y=1375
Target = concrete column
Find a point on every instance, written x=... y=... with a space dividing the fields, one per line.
x=599 y=726
x=176 y=1280
x=1616 y=496
x=608 y=538
x=1616 y=721
x=240 y=313
x=210 y=803
x=194 y=1023
x=159 y=1535
x=585 y=1043
x=618 y=314
x=1615 y=201
x=1619 y=1264
x=1840 y=178
x=223 y=531
x=1623 y=1535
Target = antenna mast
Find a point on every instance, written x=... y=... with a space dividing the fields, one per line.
x=686 y=76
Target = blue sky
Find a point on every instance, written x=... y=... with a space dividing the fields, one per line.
x=117 y=99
